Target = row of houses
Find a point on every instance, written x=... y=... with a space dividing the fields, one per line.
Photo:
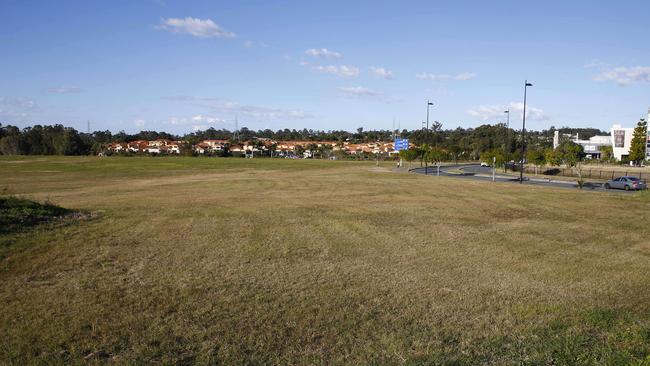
x=307 y=149
x=148 y=147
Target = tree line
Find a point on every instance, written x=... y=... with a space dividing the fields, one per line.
x=458 y=143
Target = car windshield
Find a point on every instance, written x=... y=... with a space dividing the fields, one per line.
x=634 y=179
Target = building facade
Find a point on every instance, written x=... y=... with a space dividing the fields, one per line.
x=621 y=141
x=592 y=146
x=619 y=138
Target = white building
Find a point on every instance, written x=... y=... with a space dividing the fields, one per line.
x=621 y=141
x=591 y=147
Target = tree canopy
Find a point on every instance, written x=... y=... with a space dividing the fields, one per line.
x=638 y=145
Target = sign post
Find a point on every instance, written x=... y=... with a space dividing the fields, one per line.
x=401 y=144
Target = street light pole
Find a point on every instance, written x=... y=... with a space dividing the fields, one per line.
x=428 y=104
x=506 y=148
x=507 y=126
x=523 y=136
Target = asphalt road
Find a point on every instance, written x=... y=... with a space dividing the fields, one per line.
x=477 y=172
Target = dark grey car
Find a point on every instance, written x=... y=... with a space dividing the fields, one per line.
x=627 y=183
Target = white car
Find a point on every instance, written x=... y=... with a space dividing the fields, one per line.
x=484 y=164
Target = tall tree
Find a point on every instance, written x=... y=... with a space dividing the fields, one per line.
x=571 y=155
x=637 y=147
x=536 y=157
x=435 y=155
x=10 y=143
x=606 y=153
x=409 y=155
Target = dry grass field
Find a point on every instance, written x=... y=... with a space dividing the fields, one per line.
x=233 y=261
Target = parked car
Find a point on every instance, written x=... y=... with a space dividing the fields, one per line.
x=512 y=166
x=484 y=164
x=627 y=183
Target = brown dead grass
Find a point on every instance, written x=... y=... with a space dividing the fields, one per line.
x=324 y=263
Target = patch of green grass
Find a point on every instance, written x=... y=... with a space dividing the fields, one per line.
x=19 y=214
x=602 y=318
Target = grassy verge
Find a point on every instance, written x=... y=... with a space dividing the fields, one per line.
x=224 y=261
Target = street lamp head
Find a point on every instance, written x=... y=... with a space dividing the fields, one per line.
x=508 y=111
x=429 y=103
x=529 y=84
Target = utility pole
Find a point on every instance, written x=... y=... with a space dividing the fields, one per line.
x=523 y=136
x=88 y=126
x=236 y=134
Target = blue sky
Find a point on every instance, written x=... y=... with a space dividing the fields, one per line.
x=184 y=65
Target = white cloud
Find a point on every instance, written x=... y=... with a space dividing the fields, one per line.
x=358 y=91
x=595 y=64
x=465 y=76
x=441 y=77
x=324 y=53
x=203 y=120
x=16 y=109
x=211 y=120
x=222 y=106
x=250 y=44
x=496 y=112
x=63 y=90
x=200 y=28
x=625 y=75
x=341 y=71
x=363 y=92
x=382 y=72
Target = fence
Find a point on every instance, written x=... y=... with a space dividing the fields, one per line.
x=587 y=172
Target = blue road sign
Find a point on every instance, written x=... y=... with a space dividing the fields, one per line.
x=401 y=144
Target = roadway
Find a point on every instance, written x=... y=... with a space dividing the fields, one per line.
x=478 y=172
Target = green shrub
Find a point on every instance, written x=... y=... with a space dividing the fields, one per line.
x=17 y=214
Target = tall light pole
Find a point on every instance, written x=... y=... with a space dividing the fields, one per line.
x=507 y=127
x=523 y=136
x=506 y=148
x=428 y=105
